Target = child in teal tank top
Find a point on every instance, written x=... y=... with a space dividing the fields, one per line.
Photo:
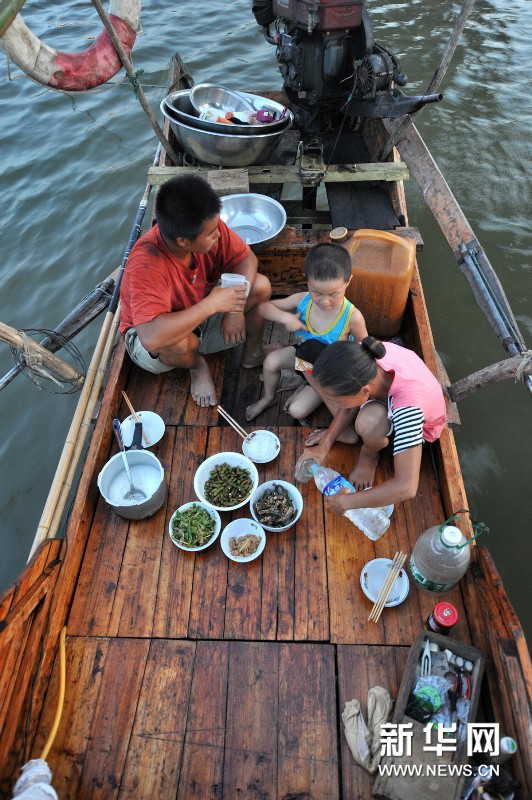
x=318 y=317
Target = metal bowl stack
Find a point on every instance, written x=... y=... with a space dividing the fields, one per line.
x=227 y=145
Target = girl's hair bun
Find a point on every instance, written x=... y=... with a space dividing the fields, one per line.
x=373 y=347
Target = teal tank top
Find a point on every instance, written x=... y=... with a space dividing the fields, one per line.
x=334 y=333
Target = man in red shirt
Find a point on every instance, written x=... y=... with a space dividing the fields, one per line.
x=172 y=310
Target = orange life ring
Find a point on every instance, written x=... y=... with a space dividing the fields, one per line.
x=73 y=72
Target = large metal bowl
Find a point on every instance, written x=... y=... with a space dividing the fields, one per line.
x=256 y=218
x=178 y=107
x=224 y=149
x=208 y=95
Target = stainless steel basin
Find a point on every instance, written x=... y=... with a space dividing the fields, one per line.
x=207 y=94
x=256 y=218
x=224 y=149
x=178 y=107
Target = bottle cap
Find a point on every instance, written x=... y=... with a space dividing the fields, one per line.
x=445 y=614
x=338 y=234
x=452 y=536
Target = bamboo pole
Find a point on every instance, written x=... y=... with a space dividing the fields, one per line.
x=84 y=429
x=517 y=367
x=38 y=356
x=132 y=75
x=44 y=528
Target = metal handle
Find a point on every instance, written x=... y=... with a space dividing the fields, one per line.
x=118 y=434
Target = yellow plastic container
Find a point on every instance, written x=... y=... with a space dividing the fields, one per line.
x=382 y=265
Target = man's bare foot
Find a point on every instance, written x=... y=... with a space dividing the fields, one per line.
x=363 y=475
x=346 y=437
x=202 y=386
x=257 y=408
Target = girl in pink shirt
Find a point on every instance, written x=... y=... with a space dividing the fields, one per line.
x=397 y=398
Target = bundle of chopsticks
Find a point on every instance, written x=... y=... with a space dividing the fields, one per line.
x=386 y=588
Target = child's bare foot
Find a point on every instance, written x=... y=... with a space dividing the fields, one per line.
x=363 y=475
x=346 y=437
x=202 y=386
x=257 y=408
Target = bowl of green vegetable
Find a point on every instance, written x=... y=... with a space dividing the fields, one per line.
x=226 y=481
x=194 y=526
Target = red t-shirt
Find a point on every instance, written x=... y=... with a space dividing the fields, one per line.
x=155 y=281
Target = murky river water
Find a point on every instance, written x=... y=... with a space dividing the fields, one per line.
x=73 y=171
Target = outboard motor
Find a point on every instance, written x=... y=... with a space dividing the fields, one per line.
x=331 y=64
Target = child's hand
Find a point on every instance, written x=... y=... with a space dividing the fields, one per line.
x=292 y=323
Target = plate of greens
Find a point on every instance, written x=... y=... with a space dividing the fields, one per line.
x=194 y=526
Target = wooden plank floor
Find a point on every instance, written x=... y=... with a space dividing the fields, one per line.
x=194 y=677
x=135 y=582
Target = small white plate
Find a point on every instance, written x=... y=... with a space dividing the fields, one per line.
x=153 y=428
x=373 y=575
x=261 y=446
x=239 y=527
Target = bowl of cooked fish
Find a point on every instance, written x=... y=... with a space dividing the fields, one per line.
x=276 y=505
x=226 y=481
x=194 y=526
x=243 y=540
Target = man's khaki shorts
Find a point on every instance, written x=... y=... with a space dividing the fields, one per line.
x=209 y=334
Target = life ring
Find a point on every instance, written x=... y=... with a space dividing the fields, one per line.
x=73 y=72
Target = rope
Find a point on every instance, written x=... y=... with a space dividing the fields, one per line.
x=61 y=697
x=32 y=359
x=525 y=362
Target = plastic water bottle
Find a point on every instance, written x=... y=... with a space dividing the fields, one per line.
x=373 y=522
x=440 y=558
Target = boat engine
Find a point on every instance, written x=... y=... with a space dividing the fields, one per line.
x=331 y=64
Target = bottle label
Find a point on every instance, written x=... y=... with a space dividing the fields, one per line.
x=336 y=485
x=426 y=583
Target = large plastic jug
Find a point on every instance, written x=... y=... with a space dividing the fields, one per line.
x=382 y=265
x=440 y=558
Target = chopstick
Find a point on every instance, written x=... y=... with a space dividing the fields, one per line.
x=232 y=422
x=397 y=565
x=129 y=405
x=134 y=415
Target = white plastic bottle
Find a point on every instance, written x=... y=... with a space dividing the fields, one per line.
x=373 y=522
x=440 y=558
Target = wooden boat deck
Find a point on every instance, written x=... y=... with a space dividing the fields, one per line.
x=189 y=676
x=193 y=676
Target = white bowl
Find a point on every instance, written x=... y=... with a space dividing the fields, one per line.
x=294 y=493
x=153 y=428
x=234 y=460
x=217 y=526
x=269 y=442
x=239 y=527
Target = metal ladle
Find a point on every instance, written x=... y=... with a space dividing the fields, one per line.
x=134 y=493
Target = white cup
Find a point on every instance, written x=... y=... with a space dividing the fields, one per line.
x=234 y=279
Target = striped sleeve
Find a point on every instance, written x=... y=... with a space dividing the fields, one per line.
x=407 y=428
